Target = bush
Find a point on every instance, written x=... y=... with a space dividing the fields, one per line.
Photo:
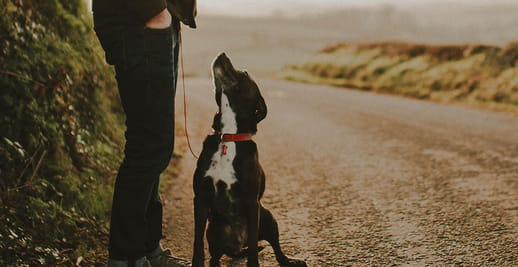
x=57 y=153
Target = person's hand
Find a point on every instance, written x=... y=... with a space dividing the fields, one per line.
x=160 y=21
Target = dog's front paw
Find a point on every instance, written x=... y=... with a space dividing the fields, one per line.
x=294 y=263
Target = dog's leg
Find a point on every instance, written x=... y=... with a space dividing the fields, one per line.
x=269 y=231
x=201 y=210
x=215 y=254
x=215 y=238
x=253 y=232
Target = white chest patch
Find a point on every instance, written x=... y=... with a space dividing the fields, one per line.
x=221 y=168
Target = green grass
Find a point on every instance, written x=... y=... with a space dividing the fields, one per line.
x=60 y=135
x=478 y=75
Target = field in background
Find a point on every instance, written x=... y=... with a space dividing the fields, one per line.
x=474 y=74
x=481 y=71
x=265 y=45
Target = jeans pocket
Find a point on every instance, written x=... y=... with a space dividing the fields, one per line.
x=159 y=44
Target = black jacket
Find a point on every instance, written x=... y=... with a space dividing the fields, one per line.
x=143 y=10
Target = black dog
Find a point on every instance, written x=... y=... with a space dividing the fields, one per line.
x=229 y=181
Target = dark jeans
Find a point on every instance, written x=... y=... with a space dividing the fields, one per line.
x=146 y=70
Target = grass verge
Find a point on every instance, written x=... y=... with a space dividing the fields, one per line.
x=60 y=135
x=477 y=75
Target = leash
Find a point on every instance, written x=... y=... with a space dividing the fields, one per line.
x=185 y=95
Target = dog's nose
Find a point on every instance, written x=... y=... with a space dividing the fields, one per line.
x=222 y=59
x=223 y=67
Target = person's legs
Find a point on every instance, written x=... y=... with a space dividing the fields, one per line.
x=154 y=220
x=146 y=81
x=154 y=213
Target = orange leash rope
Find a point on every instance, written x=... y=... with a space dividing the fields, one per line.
x=184 y=95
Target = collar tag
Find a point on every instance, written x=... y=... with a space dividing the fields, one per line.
x=224 y=149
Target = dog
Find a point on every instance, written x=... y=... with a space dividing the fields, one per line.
x=228 y=181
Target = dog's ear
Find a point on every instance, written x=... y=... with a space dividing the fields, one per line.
x=260 y=109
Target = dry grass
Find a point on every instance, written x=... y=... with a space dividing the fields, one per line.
x=479 y=75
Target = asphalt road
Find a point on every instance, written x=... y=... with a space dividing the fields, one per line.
x=363 y=179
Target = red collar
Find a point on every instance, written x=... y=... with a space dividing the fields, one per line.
x=233 y=138
x=236 y=137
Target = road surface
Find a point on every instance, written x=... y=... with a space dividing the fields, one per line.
x=362 y=179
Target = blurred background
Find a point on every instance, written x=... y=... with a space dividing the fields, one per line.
x=439 y=50
x=290 y=31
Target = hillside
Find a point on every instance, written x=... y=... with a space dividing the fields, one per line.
x=263 y=45
x=478 y=75
x=60 y=135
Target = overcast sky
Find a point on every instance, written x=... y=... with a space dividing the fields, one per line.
x=295 y=7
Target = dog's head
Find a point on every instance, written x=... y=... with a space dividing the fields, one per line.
x=241 y=105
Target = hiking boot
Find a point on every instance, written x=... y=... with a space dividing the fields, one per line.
x=165 y=259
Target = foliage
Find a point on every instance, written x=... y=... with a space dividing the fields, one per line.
x=59 y=129
x=481 y=75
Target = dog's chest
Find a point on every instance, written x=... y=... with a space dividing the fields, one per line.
x=221 y=166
